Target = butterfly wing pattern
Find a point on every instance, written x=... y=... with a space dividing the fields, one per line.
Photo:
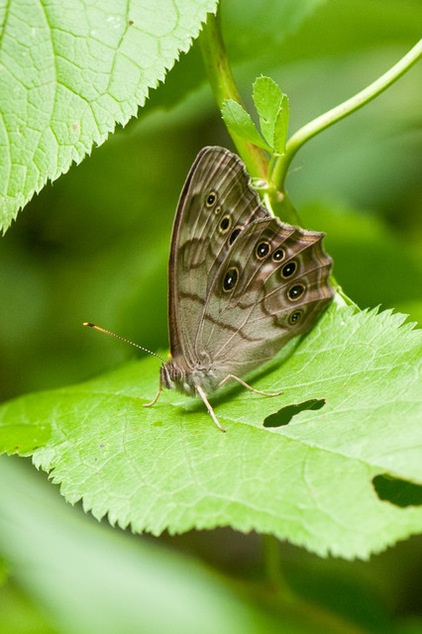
x=241 y=282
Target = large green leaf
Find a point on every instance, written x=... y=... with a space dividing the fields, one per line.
x=355 y=380
x=71 y=70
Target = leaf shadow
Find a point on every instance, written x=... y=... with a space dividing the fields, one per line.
x=233 y=388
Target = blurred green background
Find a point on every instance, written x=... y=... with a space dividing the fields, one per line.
x=93 y=246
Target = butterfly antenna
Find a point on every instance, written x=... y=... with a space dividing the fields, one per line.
x=113 y=334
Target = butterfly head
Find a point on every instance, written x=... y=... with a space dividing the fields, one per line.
x=176 y=374
x=175 y=377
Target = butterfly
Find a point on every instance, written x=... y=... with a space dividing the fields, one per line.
x=241 y=282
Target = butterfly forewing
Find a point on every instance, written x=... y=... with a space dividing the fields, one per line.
x=215 y=204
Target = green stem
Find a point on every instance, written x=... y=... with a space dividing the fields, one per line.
x=272 y=562
x=339 y=112
x=224 y=87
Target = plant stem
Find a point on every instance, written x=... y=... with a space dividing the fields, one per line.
x=272 y=562
x=271 y=554
x=224 y=87
x=342 y=110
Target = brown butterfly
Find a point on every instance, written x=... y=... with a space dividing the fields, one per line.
x=241 y=282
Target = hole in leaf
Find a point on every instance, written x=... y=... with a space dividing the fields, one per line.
x=285 y=414
x=399 y=492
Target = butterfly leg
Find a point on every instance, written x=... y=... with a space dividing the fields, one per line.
x=229 y=377
x=156 y=397
x=209 y=407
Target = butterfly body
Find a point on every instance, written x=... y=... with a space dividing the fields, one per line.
x=175 y=375
x=241 y=282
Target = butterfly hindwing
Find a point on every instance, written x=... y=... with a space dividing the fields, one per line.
x=272 y=286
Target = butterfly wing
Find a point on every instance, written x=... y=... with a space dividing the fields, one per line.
x=241 y=282
x=271 y=287
x=215 y=204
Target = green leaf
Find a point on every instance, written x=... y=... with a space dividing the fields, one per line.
x=70 y=72
x=355 y=379
x=280 y=129
x=272 y=107
x=240 y=122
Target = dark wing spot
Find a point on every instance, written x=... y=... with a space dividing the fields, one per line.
x=230 y=278
x=278 y=255
x=295 y=292
x=210 y=199
x=262 y=250
x=295 y=317
x=234 y=234
x=225 y=224
x=289 y=269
